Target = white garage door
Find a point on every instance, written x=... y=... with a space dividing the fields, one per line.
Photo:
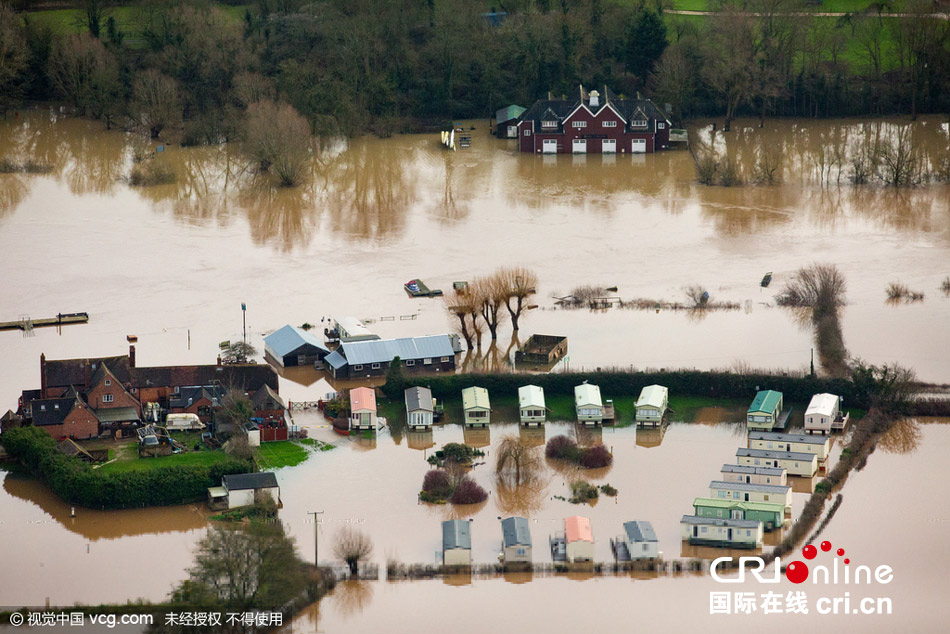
x=609 y=146
x=580 y=146
x=639 y=146
x=549 y=146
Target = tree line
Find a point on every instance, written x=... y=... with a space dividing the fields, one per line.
x=351 y=66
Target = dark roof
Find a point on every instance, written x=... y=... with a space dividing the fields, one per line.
x=639 y=531
x=53 y=411
x=243 y=481
x=249 y=376
x=63 y=372
x=267 y=396
x=117 y=414
x=548 y=109
x=515 y=531
x=419 y=398
x=188 y=396
x=456 y=534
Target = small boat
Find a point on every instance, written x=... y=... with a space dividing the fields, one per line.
x=767 y=279
x=417 y=288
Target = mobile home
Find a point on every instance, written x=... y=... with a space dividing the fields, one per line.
x=771 y=515
x=802 y=443
x=753 y=475
x=531 y=405
x=516 y=540
x=774 y=493
x=590 y=407
x=420 y=410
x=579 y=538
x=795 y=463
x=765 y=409
x=476 y=406
x=456 y=543
x=824 y=414
x=723 y=533
x=641 y=540
x=652 y=405
x=362 y=408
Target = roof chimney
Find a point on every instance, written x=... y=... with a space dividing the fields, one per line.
x=219 y=359
x=132 y=357
x=594 y=99
x=86 y=373
x=43 y=374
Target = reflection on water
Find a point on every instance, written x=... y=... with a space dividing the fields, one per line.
x=902 y=438
x=650 y=436
x=350 y=597
x=477 y=437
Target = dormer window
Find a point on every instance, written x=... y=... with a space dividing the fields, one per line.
x=108 y=381
x=638 y=123
x=549 y=124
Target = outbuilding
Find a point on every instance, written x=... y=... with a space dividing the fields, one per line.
x=579 y=539
x=362 y=408
x=652 y=405
x=589 y=405
x=241 y=488
x=641 y=540
x=531 y=407
x=292 y=346
x=476 y=406
x=506 y=121
x=456 y=543
x=765 y=410
x=516 y=540
x=420 y=409
x=722 y=533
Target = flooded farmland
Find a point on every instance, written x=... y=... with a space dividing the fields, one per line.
x=171 y=265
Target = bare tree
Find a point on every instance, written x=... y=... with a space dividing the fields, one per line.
x=252 y=87
x=155 y=101
x=818 y=286
x=732 y=48
x=352 y=546
x=461 y=305
x=674 y=79
x=517 y=462
x=83 y=71
x=13 y=56
x=519 y=283
x=489 y=295
x=278 y=137
x=899 y=158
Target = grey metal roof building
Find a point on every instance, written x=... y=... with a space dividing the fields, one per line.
x=515 y=531
x=737 y=468
x=715 y=521
x=419 y=398
x=639 y=531
x=289 y=344
x=456 y=534
x=363 y=356
x=808 y=439
x=779 y=455
x=743 y=486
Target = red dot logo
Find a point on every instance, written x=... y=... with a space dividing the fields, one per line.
x=826 y=546
x=840 y=552
x=809 y=552
x=847 y=561
x=796 y=572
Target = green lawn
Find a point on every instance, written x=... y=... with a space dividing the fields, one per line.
x=129 y=460
x=283 y=453
x=128 y=18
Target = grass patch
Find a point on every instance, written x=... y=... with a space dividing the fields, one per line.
x=283 y=453
x=128 y=460
x=316 y=444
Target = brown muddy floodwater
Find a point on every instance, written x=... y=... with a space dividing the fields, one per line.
x=172 y=264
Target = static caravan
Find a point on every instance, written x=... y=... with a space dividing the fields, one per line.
x=186 y=422
x=456 y=543
x=774 y=493
x=476 y=406
x=724 y=533
x=352 y=329
x=531 y=405
x=765 y=409
x=641 y=540
x=753 y=475
x=802 y=443
x=652 y=405
x=420 y=410
x=824 y=414
x=516 y=540
x=795 y=463
x=579 y=538
x=590 y=407
x=362 y=408
x=771 y=515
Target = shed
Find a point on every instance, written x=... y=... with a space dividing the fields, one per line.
x=579 y=539
x=242 y=487
x=516 y=540
x=506 y=120
x=641 y=540
x=725 y=533
x=292 y=346
x=802 y=443
x=531 y=405
x=362 y=408
x=771 y=515
x=476 y=406
x=753 y=475
x=824 y=410
x=589 y=406
x=431 y=353
x=652 y=405
x=419 y=408
x=774 y=493
x=765 y=409
x=456 y=543
x=795 y=463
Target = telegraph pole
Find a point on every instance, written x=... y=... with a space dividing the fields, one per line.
x=244 y=313
x=316 y=537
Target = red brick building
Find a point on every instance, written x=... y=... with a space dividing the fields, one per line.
x=593 y=123
x=67 y=417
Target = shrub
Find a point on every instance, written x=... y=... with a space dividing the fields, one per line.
x=823 y=487
x=582 y=492
x=152 y=173
x=561 y=448
x=468 y=492
x=706 y=169
x=608 y=490
x=595 y=457
x=437 y=485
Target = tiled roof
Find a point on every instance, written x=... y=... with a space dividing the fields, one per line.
x=250 y=376
x=63 y=372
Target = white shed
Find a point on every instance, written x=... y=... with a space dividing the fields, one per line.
x=641 y=540
x=516 y=540
x=419 y=408
x=822 y=412
x=589 y=405
x=242 y=487
x=362 y=408
x=652 y=405
x=579 y=539
x=531 y=405
x=476 y=406
x=456 y=543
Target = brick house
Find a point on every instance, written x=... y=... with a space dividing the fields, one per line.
x=592 y=123
x=269 y=412
x=66 y=417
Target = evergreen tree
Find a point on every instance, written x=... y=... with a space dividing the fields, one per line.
x=646 y=41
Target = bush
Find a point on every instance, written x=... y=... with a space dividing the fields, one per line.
x=437 y=485
x=561 y=448
x=595 y=457
x=582 y=492
x=152 y=173
x=468 y=492
x=608 y=490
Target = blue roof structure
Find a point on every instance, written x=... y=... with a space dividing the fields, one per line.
x=384 y=350
x=515 y=531
x=456 y=534
x=289 y=339
x=639 y=531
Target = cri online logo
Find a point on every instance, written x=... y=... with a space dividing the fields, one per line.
x=798 y=571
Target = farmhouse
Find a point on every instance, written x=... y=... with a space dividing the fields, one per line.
x=802 y=443
x=432 y=353
x=362 y=408
x=795 y=463
x=771 y=515
x=516 y=540
x=531 y=407
x=641 y=540
x=774 y=493
x=652 y=405
x=764 y=412
x=824 y=414
x=724 y=533
x=456 y=543
x=476 y=406
x=67 y=417
x=593 y=123
x=291 y=346
x=753 y=475
x=589 y=406
x=419 y=408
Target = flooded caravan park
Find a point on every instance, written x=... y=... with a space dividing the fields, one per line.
x=171 y=264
